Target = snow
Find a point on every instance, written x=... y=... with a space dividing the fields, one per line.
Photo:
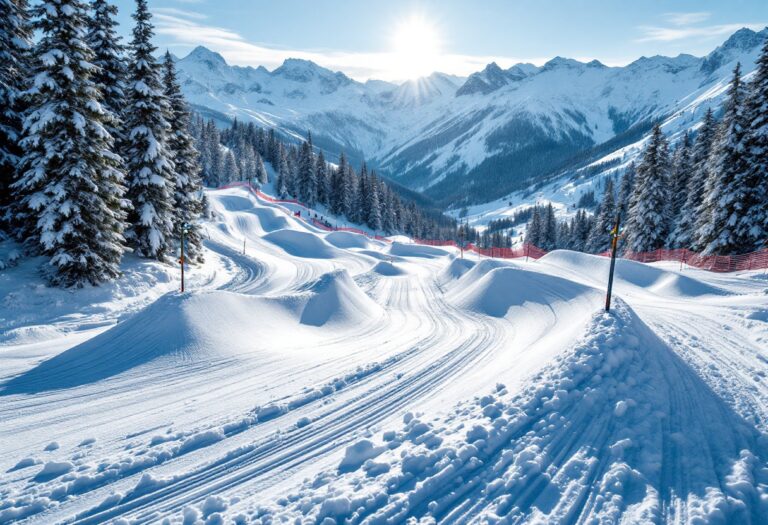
x=315 y=378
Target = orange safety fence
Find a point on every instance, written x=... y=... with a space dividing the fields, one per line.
x=713 y=263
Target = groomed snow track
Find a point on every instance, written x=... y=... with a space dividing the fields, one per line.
x=315 y=376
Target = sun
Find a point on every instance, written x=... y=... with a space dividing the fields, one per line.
x=416 y=45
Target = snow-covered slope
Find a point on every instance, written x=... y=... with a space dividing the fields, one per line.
x=308 y=376
x=477 y=138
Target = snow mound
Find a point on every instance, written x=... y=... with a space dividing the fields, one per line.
x=176 y=328
x=503 y=288
x=657 y=280
x=302 y=244
x=416 y=250
x=271 y=219
x=485 y=266
x=455 y=270
x=388 y=269
x=348 y=240
x=336 y=299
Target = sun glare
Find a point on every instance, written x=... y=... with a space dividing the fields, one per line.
x=416 y=45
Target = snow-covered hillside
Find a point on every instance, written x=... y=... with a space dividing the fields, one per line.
x=477 y=138
x=309 y=376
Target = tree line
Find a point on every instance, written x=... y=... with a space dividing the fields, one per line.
x=96 y=157
x=708 y=193
x=302 y=172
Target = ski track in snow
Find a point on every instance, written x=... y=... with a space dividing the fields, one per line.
x=348 y=379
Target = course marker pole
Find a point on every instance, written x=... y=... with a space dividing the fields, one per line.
x=614 y=243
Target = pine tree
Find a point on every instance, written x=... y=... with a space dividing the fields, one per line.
x=648 y=221
x=321 y=176
x=109 y=60
x=72 y=185
x=338 y=197
x=231 y=172
x=684 y=235
x=15 y=38
x=625 y=191
x=599 y=239
x=549 y=229
x=534 y=231
x=187 y=195
x=261 y=172
x=679 y=179
x=754 y=222
x=721 y=214
x=283 y=172
x=306 y=174
x=373 y=204
x=151 y=178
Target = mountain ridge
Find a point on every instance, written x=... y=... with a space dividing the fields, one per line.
x=466 y=140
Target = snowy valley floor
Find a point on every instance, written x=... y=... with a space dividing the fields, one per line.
x=323 y=377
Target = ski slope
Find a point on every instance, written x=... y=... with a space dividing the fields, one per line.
x=315 y=377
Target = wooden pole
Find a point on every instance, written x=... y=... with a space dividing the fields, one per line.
x=614 y=244
x=181 y=261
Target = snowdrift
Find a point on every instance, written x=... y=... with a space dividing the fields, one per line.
x=416 y=250
x=455 y=270
x=388 y=269
x=659 y=281
x=336 y=299
x=205 y=327
x=617 y=430
x=302 y=244
x=504 y=288
x=348 y=240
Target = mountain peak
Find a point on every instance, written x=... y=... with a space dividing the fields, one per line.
x=203 y=54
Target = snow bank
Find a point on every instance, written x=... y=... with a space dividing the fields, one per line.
x=348 y=240
x=336 y=299
x=302 y=244
x=417 y=250
x=388 y=269
x=503 y=288
x=657 y=280
x=455 y=270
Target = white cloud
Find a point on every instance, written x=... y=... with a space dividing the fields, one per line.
x=686 y=19
x=187 y=30
x=671 y=34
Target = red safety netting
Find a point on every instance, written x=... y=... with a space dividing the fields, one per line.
x=714 y=263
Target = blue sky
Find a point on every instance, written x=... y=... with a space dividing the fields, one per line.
x=395 y=39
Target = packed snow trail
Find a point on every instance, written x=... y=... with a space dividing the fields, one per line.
x=398 y=380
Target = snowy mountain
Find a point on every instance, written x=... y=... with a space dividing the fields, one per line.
x=479 y=138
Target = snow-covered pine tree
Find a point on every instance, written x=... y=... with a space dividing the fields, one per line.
x=283 y=172
x=754 y=221
x=231 y=171
x=722 y=210
x=151 y=177
x=373 y=204
x=15 y=38
x=261 y=172
x=599 y=239
x=187 y=194
x=321 y=176
x=679 y=179
x=306 y=173
x=625 y=190
x=350 y=193
x=338 y=189
x=684 y=235
x=71 y=181
x=360 y=210
x=648 y=221
x=549 y=229
x=534 y=231
x=109 y=59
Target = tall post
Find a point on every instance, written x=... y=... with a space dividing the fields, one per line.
x=181 y=260
x=614 y=244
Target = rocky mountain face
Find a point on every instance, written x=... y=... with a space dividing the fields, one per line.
x=475 y=139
